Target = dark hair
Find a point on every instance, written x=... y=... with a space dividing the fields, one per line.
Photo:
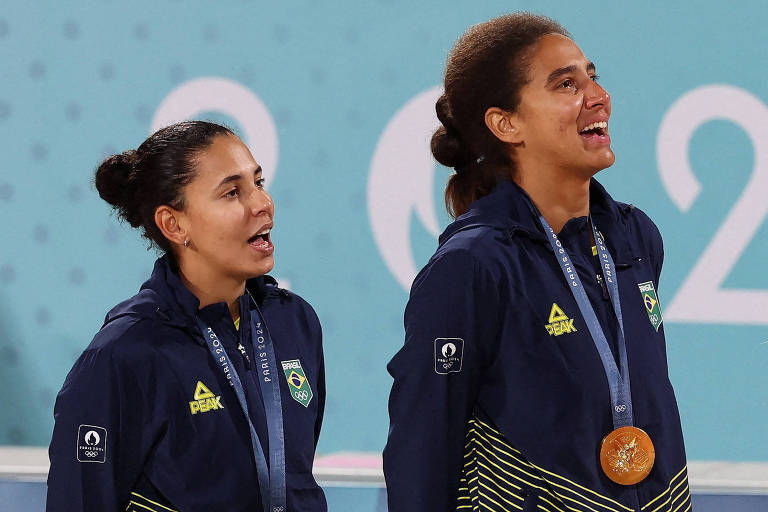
x=486 y=68
x=136 y=182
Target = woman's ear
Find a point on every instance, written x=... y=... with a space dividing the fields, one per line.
x=170 y=222
x=506 y=126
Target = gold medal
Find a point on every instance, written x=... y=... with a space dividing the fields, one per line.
x=627 y=455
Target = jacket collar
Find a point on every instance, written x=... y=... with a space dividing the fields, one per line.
x=509 y=208
x=165 y=297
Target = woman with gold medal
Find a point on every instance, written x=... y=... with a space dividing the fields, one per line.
x=533 y=374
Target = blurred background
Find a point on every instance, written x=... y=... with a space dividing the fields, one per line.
x=336 y=101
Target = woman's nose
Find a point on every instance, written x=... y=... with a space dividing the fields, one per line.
x=597 y=96
x=261 y=202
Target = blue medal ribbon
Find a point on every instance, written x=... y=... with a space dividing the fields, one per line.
x=271 y=477
x=270 y=392
x=618 y=378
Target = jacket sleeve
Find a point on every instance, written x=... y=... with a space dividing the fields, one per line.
x=320 y=387
x=656 y=251
x=450 y=334
x=95 y=452
x=652 y=239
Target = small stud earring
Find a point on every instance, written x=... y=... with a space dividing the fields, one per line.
x=186 y=243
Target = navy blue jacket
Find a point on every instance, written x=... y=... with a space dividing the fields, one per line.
x=147 y=421
x=500 y=400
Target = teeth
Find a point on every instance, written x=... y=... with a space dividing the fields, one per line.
x=265 y=232
x=600 y=124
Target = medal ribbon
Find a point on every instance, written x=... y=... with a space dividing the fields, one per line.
x=270 y=391
x=271 y=478
x=618 y=378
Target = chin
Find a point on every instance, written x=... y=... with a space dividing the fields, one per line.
x=261 y=268
x=604 y=162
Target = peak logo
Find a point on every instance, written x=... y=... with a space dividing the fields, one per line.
x=401 y=183
x=204 y=400
x=559 y=323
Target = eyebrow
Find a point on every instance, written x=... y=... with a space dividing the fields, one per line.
x=236 y=177
x=568 y=69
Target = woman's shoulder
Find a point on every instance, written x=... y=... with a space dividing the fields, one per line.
x=629 y=220
x=130 y=328
x=472 y=245
x=639 y=218
x=115 y=349
x=459 y=262
x=291 y=297
x=278 y=294
x=284 y=305
x=125 y=339
x=642 y=228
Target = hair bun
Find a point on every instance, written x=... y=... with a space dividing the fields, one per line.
x=114 y=184
x=447 y=146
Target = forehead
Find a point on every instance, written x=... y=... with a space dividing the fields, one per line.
x=554 y=51
x=226 y=155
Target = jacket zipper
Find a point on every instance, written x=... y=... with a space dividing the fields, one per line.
x=603 y=287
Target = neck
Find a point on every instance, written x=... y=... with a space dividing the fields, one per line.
x=211 y=288
x=558 y=196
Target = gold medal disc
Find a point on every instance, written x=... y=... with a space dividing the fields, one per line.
x=627 y=455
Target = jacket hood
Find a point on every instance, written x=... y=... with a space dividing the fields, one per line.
x=164 y=297
x=508 y=208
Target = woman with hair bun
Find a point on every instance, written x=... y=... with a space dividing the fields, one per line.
x=205 y=391
x=534 y=373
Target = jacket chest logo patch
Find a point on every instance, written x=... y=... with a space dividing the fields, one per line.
x=204 y=400
x=449 y=355
x=559 y=323
x=298 y=384
x=651 y=302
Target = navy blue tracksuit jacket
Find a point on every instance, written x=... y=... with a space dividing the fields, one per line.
x=500 y=400
x=146 y=420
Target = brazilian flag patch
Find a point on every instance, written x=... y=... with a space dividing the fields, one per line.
x=298 y=384
x=651 y=302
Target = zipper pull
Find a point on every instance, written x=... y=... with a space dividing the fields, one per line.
x=603 y=287
x=246 y=359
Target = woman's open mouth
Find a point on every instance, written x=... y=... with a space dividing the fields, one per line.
x=596 y=132
x=261 y=241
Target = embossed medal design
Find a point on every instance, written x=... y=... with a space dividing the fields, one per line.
x=627 y=455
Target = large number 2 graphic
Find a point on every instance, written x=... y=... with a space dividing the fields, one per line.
x=701 y=298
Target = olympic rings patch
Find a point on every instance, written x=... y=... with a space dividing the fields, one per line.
x=91 y=444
